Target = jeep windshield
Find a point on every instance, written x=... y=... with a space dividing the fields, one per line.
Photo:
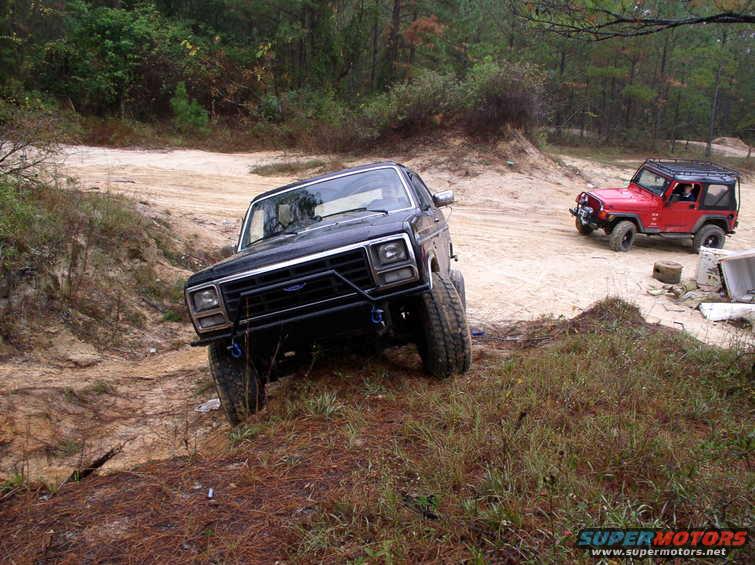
x=651 y=181
x=335 y=199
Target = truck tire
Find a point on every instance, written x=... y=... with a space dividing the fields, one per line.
x=709 y=236
x=582 y=228
x=239 y=387
x=622 y=236
x=458 y=279
x=444 y=341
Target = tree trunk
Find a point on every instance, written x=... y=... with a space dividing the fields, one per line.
x=714 y=103
x=393 y=41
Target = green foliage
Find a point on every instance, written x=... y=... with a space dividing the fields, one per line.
x=498 y=95
x=188 y=115
x=337 y=76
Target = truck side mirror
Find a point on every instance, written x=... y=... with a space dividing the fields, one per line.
x=227 y=250
x=444 y=198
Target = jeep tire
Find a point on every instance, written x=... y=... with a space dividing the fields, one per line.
x=709 y=236
x=458 y=279
x=239 y=387
x=444 y=342
x=583 y=229
x=622 y=236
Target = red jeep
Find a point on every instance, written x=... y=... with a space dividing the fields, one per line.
x=673 y=199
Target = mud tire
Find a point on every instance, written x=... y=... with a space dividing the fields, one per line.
x=709 y=236
x=458 y=279
x=582 y=228
x=444 y=341
x=239 y=387
x=622 y=236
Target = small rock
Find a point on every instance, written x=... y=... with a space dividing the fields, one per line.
x=153 y=350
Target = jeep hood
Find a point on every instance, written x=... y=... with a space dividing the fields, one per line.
x=630 y=198
x=320 y=237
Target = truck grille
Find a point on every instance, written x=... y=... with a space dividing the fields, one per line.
x=276 y=302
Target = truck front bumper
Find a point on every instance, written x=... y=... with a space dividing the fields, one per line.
x=365 y=300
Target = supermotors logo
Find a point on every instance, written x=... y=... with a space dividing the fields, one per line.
x=639 y=543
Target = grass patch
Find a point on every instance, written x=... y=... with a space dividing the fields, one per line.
x=67 y=448
x=287 y=168
x=244 y=432
x=99 y=388
x=324 y=405
x=614 y=423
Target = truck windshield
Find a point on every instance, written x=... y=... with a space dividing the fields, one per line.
x=651 y=181
x=377 y=190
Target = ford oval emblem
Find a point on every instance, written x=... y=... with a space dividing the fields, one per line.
x=294 y=287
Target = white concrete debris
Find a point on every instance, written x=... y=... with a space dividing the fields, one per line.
x=739 y=275
x=707 y=267
x=718 y=311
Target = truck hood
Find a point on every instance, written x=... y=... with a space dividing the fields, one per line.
x=630 y=198
x=320 y=237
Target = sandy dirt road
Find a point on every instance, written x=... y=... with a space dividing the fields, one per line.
x=519 y=251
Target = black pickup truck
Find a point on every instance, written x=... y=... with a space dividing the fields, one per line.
x=359 y=256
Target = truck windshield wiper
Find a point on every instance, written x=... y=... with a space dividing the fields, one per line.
x=362 y=209
x=270 y=237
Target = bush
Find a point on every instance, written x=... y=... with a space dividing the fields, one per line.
x=188 y=115
x=429 y=99
x=502 y=95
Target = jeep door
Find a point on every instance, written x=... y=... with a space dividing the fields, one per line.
x=680 y=216
x=432 y=228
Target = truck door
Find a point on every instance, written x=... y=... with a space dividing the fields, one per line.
x=681 y=207
x=437 y=239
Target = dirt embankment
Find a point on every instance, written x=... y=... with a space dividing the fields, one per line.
x=519 y=251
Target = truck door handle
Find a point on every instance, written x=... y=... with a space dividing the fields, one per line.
x=691 y=206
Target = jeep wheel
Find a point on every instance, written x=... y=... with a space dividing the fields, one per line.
x=240 y=389
x=458 y=279
x=444 y=341
x=709 y=236
x=583 y=229
x=622 y=236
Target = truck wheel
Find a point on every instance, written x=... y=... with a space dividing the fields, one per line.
x=709 y=236
x=444 y=341
x=622 y=236
x=458 y=279
x=239 y=387
x=582 y=228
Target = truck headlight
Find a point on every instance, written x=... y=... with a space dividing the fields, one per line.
x=391 y=252
x=205 y=299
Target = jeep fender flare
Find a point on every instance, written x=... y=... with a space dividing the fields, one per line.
x=721 y=221
x=631 y=217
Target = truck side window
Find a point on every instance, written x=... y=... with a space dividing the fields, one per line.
x=426 y=201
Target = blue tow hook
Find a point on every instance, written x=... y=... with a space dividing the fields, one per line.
x=376 y=315
x=235 y=350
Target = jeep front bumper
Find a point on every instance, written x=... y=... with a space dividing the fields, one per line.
x=586 y=215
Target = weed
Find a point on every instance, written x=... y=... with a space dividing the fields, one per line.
x=325 y=404
x=67 y=448
x=244 y=432
x=100 y=387
x=171 y=315
x=14 y=482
